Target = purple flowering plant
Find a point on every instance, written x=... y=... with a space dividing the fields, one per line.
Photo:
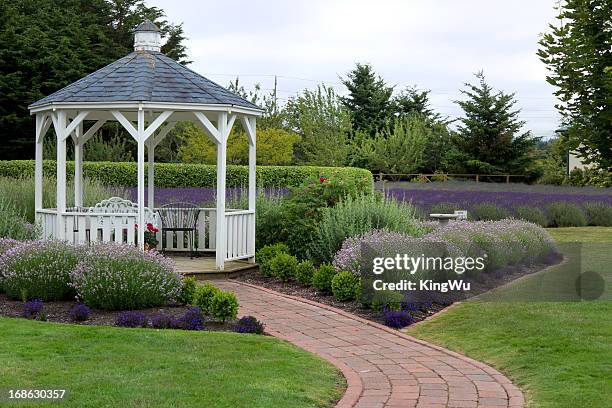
x=121 y=277
x=80 y=312
x=131 y=318
x=249 y=324
x=32 y=309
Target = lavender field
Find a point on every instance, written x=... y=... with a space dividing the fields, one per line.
x=205 y=197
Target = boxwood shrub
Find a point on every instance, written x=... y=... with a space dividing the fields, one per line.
x=124 y=174
x=322 y=278
x=284 y=266
x=117 y=277
x=223 y=306
x=38 y=270
x=304 y=272
x=203 y=296
x=346 y=286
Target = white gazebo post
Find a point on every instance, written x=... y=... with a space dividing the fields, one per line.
x=78 y=165
x=43 y=123
x=141 y=177
x=60 y=190
x=221 y=233
x=249 y=124
x=151 y=174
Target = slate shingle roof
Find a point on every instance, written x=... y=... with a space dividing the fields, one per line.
x=146 y=76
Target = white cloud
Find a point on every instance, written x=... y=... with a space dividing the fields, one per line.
x=434 y=44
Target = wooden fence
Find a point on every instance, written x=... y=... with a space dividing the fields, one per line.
x=427 y=178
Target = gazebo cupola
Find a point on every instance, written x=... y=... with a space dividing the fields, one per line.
x=147 y=93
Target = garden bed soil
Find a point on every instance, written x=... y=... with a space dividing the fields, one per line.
x=59 y=312
x=482 y=284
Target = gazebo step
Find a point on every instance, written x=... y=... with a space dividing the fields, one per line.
x=204 y=268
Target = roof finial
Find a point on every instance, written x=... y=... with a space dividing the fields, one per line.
x=147 y=37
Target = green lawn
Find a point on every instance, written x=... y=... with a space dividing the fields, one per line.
x=115 y=367
x=559 y=353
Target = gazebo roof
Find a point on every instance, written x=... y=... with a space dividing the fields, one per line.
x=145 y=76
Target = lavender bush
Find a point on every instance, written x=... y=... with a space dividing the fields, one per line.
x=397 y=319
x=32 y=309
x=131 y=319
x=249 y=324
x=38 y=269
x=80 y=312
x=504 y=242
x=162 y=321
x=191 y=320
x=117 y=277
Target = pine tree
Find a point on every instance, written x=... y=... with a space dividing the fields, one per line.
x=578 y=53
x=369 y=99
x=489 y=138
x=411 y=100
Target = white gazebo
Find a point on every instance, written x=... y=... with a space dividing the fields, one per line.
x=147 y=93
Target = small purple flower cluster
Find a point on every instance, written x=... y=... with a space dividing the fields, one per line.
x=80 y=312
x=249 y=324
x=131 y=318
x=7 y=244
x=397 y=318
x=32 y=309
x=191 y=320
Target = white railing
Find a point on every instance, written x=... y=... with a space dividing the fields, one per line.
x=240 y=227
x=83 y=227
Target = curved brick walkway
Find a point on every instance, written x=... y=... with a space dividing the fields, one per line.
x=383 y=368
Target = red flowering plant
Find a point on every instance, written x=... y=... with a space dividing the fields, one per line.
x=302 y=210
x=150 y=236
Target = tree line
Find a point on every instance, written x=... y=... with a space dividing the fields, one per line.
x=47 y=44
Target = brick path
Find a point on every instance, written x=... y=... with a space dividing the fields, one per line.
x=383 y=368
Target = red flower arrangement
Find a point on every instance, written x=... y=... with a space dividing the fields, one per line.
x=323 y=179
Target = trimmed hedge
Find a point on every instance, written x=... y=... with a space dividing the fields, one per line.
x=123 y=174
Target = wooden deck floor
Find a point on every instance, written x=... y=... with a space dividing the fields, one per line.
x=204 y=267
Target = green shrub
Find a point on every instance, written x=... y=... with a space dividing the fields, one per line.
x=564 y=214
x=203 y=296
x=124 y=174
x=268 y=218
x=322 y=278
x=356 y=216
x=304 y=272
x=302 y=211
x=489 y=212
x=531 y=214
x=598 y=213
x=385 y=299
x=223 y=306
x=265 y=255
x=346 y=286
x=121 y=277
x=38 y=270
x=284 y=266
x=188 y=290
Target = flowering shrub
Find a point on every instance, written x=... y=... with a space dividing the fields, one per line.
x=346 y=286
x=355 y=216
x=203 y=296
x=489 y=212
x=80 y=312
x=322 y=278
x=284 y=266
x=304 y=272
x=505 y=242
x=249 y=324
x=223 y=306
x=32 y=309
x=38 y=269
x=6 y=244
x=597 y=214
x=116 y=277
x=265 y=255
x=162 y=321
x=397 y=318
x=191 y=320
x=531 y=214
x=131 y=319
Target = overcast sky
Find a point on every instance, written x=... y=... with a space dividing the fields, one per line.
x=433 y=44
